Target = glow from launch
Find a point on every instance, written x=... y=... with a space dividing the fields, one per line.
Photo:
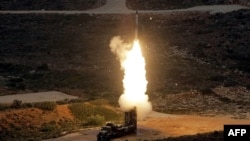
x=134 y=81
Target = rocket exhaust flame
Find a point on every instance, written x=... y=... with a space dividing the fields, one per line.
x=134 y=81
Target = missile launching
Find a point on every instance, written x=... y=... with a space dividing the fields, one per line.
x=136 y=24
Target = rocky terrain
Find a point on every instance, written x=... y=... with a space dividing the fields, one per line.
x=212 y=44
x=220 y=102
x=197 y=63
x=184 y=52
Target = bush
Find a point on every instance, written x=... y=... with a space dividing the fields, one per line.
x=88 y=113
x=62 y=102
x=107 y=113
x=3 y=107
x=16 y=104
x=81 y=111
x=99 y=102
x=47 y=127
x=68 y=101
x=50 y=106
x=27 y=105
x=95 y=120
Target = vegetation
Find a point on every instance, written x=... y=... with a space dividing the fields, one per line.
x=16 y=104
x=41 y=121
x=95 y=120
x=31 y=124
x=49 y=5
x=4 y=107
x=49 y=127
x=92 y=114
x=183 y=52
x=49 y=106
x=173 y=64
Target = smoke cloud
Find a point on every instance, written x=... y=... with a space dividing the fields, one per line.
x=134 y=82
x=119 y=48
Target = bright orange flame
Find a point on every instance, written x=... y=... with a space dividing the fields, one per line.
x=134 y=82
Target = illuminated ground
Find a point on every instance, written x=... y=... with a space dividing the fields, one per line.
x=159 y=125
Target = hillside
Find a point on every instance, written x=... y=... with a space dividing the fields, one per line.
x=75 y=49
x=193 y=59
x=44 y=120
x=197 y=64
x=35 y=124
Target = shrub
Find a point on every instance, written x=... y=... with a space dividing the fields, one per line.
x=62 y=102
x=47 y=127
x=99 y=102
x=107 y=113
x=3 y=107
x=87 y=113
x=68 y=101
x=50 y=106
x=16 y=104
x=95 y=120
x=27 y=105
x=81 y=111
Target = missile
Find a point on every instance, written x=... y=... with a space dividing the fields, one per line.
x=136 y=24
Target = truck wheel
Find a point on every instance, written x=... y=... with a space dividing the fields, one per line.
x=107 y=139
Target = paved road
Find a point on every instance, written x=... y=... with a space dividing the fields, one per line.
x=112 y=6
x=85 y=135
x=119 y=7
x=36 y=97
x=143 y=133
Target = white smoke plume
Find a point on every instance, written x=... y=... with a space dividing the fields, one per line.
x=119 y=48
x=134 y=82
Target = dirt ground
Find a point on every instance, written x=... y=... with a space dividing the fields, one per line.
x=32 y=123
x=177 y=125
x=159 y=126
x=33 y=116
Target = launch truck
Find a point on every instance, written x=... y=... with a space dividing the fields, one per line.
x=111 y=130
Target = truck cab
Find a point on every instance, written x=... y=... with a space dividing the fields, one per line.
x=105 y=134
